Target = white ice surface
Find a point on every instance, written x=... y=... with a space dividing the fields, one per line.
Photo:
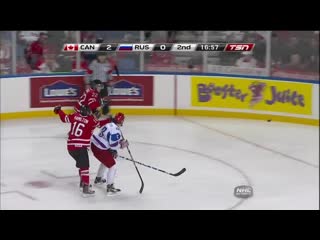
x=279 y=160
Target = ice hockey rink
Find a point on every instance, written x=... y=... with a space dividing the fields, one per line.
x=279 y=160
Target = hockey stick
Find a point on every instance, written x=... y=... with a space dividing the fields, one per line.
x=142 y=183
x=160 y=170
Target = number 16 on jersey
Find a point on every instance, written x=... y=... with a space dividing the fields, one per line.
x=77 y=129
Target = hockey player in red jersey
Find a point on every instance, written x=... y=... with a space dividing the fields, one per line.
x=91 y=97
x=82 y=127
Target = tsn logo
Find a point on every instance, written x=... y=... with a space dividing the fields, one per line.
x=81 y=47
x=239 y=47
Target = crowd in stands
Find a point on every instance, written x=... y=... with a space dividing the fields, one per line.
x=192 y=59
x=125 y=61
x=40 y=51
x=291 y=50
x=5 y=52
x=295 y=50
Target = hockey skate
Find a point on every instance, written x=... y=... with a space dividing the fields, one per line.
x=87 y=191
x=111 y=190
x=99 y=180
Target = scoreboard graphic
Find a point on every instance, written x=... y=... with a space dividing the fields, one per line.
x=162 y=47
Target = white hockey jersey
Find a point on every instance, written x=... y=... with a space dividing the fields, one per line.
x=108 y=137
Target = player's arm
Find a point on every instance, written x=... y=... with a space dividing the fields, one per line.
x=96 y=109
x=104 y=122
x=94 y=105
x=99 y=106
x=63 y=117
x=101 y=123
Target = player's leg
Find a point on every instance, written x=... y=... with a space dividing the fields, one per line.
x=110 y=163
x=100 y=175
x=98 y=154
x=82 y=162
x=107 y=160
x=75 y=155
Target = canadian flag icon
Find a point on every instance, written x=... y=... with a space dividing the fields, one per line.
x=70 y=47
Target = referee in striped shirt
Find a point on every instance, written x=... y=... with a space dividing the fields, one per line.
x=102 y=69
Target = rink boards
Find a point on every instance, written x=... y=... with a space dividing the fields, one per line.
x=169 y=94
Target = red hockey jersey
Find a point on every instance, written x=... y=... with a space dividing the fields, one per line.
x=89 y=98
x=81 y=130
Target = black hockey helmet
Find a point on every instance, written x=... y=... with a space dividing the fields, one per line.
x=96 y=84
x=85 y=110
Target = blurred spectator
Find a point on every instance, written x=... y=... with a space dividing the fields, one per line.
x=87 y=37
x=127 y=38
x=5 y=56
x=294 y=63
x=282 y=35
x=117 y=36
x=295 y=46
x=313 y=64
x=171 y=36
x=147 y=36
x=128 y=61
x=30 y=36
x=163 y=58
x=194 y=61
x=278 y=50
x=24 y=39
x=247 y=60
x=35 y=51
x=64 y=62
x=70 y=36
x=23 y=67
x=99 y=40
x=47 y=63
x=57 y=38
x=84 y=65
x=312 y=54
x=235 y=36
x=258 y=39
x=90 y=56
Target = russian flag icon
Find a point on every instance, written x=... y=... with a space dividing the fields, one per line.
x=125 y=47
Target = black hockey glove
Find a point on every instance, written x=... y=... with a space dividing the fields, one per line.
x=105 y=109
x=114 y=153
x=97 y=114
x=57 y=109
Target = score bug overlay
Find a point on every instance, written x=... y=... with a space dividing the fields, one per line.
x=158 y=47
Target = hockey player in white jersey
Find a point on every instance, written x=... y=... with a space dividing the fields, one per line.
x=104 y=146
